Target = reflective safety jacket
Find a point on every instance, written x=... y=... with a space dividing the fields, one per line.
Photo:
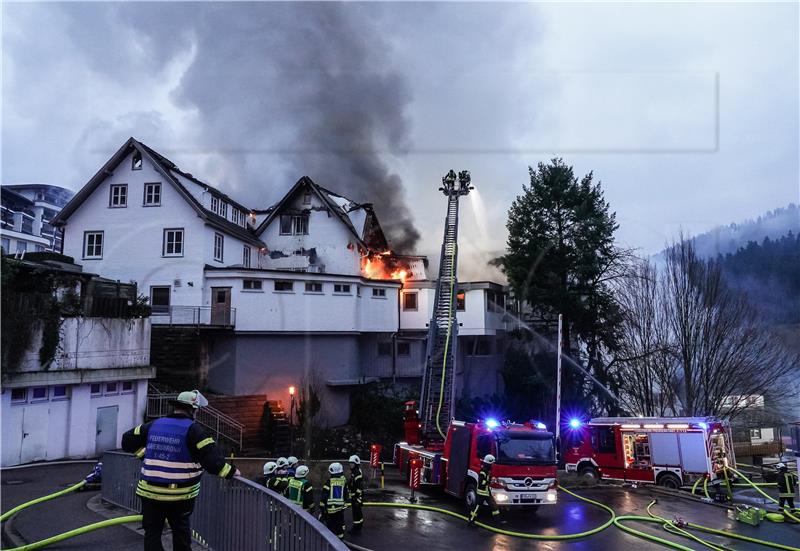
x=786 y=484
x=272 y=482
x=356 y=485
x=335 y=495
x=300 y=492
x=483 y=483
x=176 y=450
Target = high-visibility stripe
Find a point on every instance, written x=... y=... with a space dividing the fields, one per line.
x=140 y=453
x=172 y=476
x=162 y=497
x=204 y=443
x=171 y=464
x=138 y=430
x=223 y=472
x=144 y=485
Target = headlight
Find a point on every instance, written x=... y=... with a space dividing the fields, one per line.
x=501 y=498
x=551 y=496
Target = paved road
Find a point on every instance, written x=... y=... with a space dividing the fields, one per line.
x=61 y=514
x=396 y=529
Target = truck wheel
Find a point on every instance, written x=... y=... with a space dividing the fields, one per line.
x=588 y=472
x=669 y=480
x=470 y=496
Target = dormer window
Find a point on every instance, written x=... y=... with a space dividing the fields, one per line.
x=214 y=205
x=136 y=162
x=307 y=198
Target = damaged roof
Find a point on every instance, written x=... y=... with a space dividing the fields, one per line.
x=169 y=170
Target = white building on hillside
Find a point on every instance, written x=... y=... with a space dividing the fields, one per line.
x=300 y=293
x=27 y=210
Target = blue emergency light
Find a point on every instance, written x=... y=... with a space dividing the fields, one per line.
x=541 y=426
x=492 y=424
x=575 y=423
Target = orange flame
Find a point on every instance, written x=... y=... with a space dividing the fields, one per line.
x=383 y=265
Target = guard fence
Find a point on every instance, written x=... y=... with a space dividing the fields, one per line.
x=229 y=515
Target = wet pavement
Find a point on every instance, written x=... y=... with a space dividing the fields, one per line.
x=395 y=529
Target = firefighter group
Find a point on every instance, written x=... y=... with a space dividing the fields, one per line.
x=285 y=476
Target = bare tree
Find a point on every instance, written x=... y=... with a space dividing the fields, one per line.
x=726 y=355
x=646 y=366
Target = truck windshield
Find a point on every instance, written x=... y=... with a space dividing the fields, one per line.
x=525 y=449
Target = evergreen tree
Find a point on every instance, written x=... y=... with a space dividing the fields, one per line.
x=559 y=259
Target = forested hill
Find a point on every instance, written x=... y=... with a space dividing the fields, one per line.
x=728 y=239
x=769 y=273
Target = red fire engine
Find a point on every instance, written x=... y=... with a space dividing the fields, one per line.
x=670 y=451
x=524 y=472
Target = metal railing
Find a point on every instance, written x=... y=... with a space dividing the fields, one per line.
x=229 y=515
x=221 y=425
x=193 y=315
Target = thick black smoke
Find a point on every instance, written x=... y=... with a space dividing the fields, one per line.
x=290 y=89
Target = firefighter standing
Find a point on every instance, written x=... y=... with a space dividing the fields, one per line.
x=786 y=489
x=176 y=449
x=334 y=500
x=356 y=493
x=271 y=480
x=299 y=489
x=291 y=466
x=484 y=494
x=282 y=474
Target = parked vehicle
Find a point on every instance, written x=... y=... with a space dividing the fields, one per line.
x=669 y=451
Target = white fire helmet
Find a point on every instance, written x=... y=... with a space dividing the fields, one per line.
x=301 y=472
x=355 y=460
x=270 y=467
x=488 y=459
x=282 y=462
x=192 y=398
x=780 y=466
x=335 y=468
x=291 y=461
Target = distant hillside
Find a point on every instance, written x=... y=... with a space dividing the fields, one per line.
x=769 y=274
x=728 y=239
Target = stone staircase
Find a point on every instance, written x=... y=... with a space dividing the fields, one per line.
x=248 y=410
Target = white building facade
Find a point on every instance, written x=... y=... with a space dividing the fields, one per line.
x=27 y=210
x=285 y=296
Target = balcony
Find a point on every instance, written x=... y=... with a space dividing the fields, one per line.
x=206 y=316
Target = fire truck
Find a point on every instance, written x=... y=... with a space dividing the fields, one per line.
x=446 y=452
x=524 y=472
x=669 y=451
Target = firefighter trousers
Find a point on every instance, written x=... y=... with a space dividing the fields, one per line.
x=786 y=501
x=177 y=513
x=335 y=522
x=483 y=503
x=358 y=515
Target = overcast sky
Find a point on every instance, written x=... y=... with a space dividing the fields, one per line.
x=687 y=112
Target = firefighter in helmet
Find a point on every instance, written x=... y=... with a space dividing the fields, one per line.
x=282 y=474
x=787 y=485
x=356 y=493
x=299 y=489
x=291 y=467
x=271 y=480
x=176 y=449
x=335 y=499
x=484 y=495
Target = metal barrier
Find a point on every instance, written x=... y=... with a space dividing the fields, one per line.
x=229 y=515
x=193 y=315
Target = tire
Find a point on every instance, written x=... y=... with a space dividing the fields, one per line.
x=669 y=480
x=470 y=495
x=588 y=473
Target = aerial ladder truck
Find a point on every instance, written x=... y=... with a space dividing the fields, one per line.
x=450 y=451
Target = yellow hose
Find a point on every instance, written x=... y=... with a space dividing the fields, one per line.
x=697 y=483
x=763 y=493
x=705 y=487
x=77 y=532
x=48 y=497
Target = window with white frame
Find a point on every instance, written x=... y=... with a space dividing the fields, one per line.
x=252 y=285
x=96 y=389
x=313 y=287
x=92 y=244
x=39 y=394
x=173 y=242
x=341 y=288
x=19 y=395
x=246 y=256
x=127 y=387
x=409 y=301
x=223 y=209
x=294 y=224
x=112 y=388
x=118 y=196
x=219 y=247
x=59 y=392
x=152 y=195
x=214 y=205
x=755 y=434
x=379 y=293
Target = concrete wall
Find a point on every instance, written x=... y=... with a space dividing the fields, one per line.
x=269 y=364
x=65 y=427
x=95 y=343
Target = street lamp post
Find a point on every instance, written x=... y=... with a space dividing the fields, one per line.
x=291 y=419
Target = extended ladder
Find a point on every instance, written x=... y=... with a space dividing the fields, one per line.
x=438 y=389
